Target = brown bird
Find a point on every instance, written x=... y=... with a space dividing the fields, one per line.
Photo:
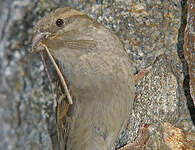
x=99 y=76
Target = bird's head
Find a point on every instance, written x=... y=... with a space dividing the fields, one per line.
x=70 y=28
x=66 y=27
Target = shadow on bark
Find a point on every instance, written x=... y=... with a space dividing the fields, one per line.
x=180 y=50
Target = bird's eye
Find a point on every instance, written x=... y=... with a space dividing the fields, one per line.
x=59 y=22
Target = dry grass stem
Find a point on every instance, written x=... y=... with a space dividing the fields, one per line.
x=60 y=74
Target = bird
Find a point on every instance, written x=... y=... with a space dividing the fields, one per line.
x=99 y=76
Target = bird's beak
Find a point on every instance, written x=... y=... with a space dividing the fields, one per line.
x=37 y=39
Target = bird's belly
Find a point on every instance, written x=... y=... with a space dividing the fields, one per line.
x=98 y=118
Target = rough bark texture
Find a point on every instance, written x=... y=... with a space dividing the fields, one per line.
x=152 y=32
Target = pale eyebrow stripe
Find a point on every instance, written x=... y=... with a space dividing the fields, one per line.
x=69 y=12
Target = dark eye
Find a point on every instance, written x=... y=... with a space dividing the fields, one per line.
x=59 y=22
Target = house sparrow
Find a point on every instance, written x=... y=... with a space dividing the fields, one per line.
x=98 y=71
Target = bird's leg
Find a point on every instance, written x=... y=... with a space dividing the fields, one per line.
x=140 y=141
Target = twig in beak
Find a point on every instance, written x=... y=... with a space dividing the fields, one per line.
x=60 y=74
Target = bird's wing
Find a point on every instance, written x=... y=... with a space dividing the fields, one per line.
x=62 y=118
